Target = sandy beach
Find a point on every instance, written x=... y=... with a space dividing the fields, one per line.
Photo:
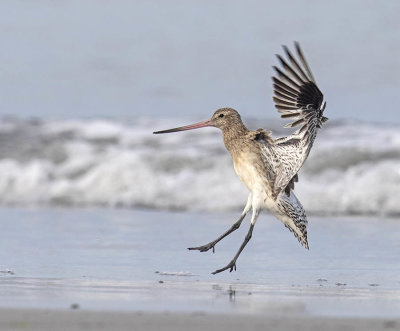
x=89 y=320
x=101 y=269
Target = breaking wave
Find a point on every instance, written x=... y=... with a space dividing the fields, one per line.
x=352 y=169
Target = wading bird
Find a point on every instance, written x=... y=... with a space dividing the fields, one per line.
x=267 y=166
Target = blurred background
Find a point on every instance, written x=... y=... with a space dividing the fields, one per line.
x=84 y=83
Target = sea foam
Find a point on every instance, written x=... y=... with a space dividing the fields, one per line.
x=352 y=168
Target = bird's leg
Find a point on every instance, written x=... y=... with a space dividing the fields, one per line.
x=234 y=227
x=232 y=265
x=211 y=244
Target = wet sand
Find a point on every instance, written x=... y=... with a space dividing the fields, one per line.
x=78 y=320
x=79 y=268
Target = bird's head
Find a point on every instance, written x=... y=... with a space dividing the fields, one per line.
x=223 y=119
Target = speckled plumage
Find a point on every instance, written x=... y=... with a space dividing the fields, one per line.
x=268 y=167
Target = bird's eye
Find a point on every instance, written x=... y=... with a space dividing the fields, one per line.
x=221 y=115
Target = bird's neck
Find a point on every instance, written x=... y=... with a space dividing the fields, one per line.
x=232 y=133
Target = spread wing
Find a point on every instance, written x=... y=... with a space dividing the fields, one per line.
x=296 y=96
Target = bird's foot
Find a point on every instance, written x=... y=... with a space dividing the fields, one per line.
x=204 y=248
x=231 y=265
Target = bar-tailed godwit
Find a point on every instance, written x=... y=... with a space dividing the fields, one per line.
x=268 y=167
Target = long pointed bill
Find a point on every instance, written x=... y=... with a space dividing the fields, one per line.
x=187 y=127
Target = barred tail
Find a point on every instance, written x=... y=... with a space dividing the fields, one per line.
x=291 y=213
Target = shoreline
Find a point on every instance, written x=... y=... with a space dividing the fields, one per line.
x=130 y=261
x=54 y=320
x=191 y=295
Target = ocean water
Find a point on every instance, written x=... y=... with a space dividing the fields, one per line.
x=353 y=168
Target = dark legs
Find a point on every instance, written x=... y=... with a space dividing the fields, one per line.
x=232 y=265
x=234 y=227
x=211 y=244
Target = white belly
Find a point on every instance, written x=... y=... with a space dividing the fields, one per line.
x=247 y=174
x=254 y=183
